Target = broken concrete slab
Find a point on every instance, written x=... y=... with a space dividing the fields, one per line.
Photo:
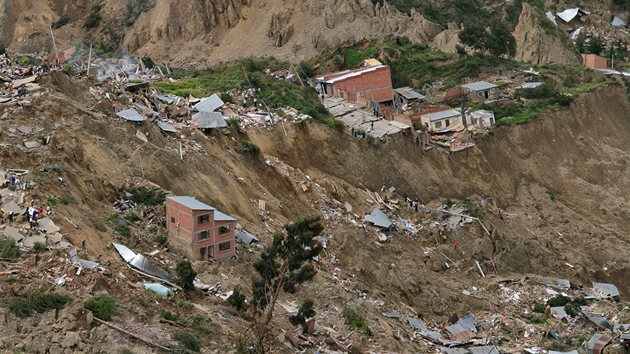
x=32 y=144
x=25 y=130
x=29 y=242
x=56 y=238
x=12 y=206
x=48 y=226
x=14 y=233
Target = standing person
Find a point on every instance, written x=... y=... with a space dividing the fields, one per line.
x=83 y=245
x=27 y=214
x=11 y=217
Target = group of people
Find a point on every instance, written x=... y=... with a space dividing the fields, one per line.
x=32 y=213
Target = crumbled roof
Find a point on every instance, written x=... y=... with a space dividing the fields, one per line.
x=608 y=289
x=596 y=344
x=569 y=14
x=409 y=93
x=378 y=218
x=479 y=86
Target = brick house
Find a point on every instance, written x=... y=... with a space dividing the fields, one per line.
x=372 y=83
x=594 y=61
x=198 y=230
x=481 y=91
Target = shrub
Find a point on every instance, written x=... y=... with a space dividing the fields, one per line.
x=306 y=311
x=160 y=239
x=134 y=9
x=237 y=299
x=39 y=247
x=249 y=147
x=94 y=18
x=232 y=122
x=559 y=300
x=38 y=303
x=168 y=315
x=10 y=249
x=370 y=139
x=226 y=97
x=474 y=209
x=67 y=69
x=62 y=21
x=538 y=320
x=11 y=280
x=355 y=320
x=551 y=195
x=186 y=275
x=201 y=323
x=186 y=342
x=148 y=196
x=539 y=308
x=102 y=306
x=123 y=230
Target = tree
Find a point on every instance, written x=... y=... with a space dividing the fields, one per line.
x=500 y=41
x=186 y=274
x=595 y=45
x=306 y=311
x=473 y=35
x=283 y=266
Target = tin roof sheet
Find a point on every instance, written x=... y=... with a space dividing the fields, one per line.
x=191 y=203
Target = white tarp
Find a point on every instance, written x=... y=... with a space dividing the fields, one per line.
x=618 y=22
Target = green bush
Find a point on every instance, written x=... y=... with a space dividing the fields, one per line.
x=102 y=306
x=249 y=147
x=552 y=196
x=94 y=18
x=148 y=196
x=186 y=341
x=167 y=315
x=539 y=308
x=39 y=247
x=160 y=239
x=226 y=97
x=10 y=249
x=186 y=274
x=123 y=230
x=67 y=69
x=232 y=122
x=355 y=320
x=24 y=307
x=62 y=21
x=237 y=299
x=201 y=324
x=559 y=300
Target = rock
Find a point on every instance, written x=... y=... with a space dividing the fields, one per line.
x=14 y=233
x=71 y=340
x=540 y=44
x=32 y=144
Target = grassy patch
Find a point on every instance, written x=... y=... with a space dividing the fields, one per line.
x=123 y=230
x=39 y=247
x=248 y=147
x=167 y=315
x=148 y=196
x=355 y=320
x=186 y=341
x=102 y=306
x=10 y=249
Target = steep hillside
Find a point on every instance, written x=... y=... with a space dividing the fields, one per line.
x=578 y=155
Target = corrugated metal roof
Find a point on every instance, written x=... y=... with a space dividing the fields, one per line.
x=449 y=113
x=600 y=321
x=464 y=330
x=479 y=86
x=219 y=216
x=145 y=108
x=607 y=289
x=131 y=114
x=207 y=120
x=417 y=324
x=167 y=127
x=245 y=237
x=209 y=104
x=124 y=251
x=378 y=218
x=409 y=93
x=191 y=203
x=145 y=265
x=596 y=344
x=168 y=100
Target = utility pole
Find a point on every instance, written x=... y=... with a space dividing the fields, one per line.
x=89 y=61
x=298 y=74
x=54 y=45
x=463 y=100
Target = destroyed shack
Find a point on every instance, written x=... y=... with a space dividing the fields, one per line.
x=198 y=230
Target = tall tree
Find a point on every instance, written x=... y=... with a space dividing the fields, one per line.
x=283 y=266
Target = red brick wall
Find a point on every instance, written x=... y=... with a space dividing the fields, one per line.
x=594 y=61
x=185 y=238
x=374 y=85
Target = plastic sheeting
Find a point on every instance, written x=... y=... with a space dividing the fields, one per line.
x=158 y=288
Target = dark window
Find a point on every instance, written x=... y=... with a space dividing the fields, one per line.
x=224 y=229
x=202 y=252
x=438 y=124
x=224 y=246
x=172 y=219
x=204 y=235
x=203 y=219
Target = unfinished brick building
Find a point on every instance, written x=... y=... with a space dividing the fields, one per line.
x=366 y=84
x=198 y=230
